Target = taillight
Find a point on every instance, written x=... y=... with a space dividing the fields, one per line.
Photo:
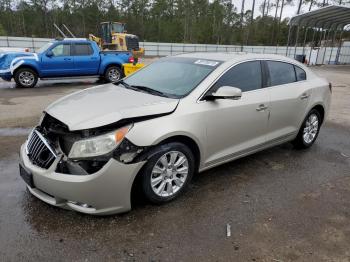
x=131 y=59
x=330 y=87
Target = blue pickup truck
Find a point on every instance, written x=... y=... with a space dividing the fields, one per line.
x=64 y=58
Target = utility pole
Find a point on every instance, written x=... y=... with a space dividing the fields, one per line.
x=274 y=22
x=299 y=6
x=251 y=26
x=242 y=14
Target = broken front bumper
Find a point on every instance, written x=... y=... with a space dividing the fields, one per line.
x=6 y=76
x=105 y=192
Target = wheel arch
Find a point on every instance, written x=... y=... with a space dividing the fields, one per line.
x=321 y=110
x=26 y=66
x=184 y=139
x=106 y=66
x=187 y=141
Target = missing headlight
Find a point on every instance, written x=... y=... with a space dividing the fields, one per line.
x=127 y=152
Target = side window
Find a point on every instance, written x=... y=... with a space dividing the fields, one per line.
x=246 y=76
x=81 y=49
x=280 y=73
x=301 y=75
x=61 y=50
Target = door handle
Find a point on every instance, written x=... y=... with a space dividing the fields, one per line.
x=261 y=107
x=304 y=96
x=67 y=59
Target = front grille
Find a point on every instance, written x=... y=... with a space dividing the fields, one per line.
x=132 y=43
x=39 y=151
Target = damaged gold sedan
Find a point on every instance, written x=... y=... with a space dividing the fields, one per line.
x=177 y=116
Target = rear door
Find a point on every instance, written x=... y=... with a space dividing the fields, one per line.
x=86 y=60
x=60 y=63
x=289 y=93
x=235 y=127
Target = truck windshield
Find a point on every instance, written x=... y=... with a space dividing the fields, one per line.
x=173 y=76
x=44 y=47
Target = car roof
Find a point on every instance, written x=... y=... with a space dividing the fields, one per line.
x=234 y=56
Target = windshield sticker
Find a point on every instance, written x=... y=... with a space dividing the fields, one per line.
x=206 y=62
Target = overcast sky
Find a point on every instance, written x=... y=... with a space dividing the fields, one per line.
x=288 y=10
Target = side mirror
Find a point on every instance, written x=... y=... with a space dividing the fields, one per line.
x=226 y=92
x=49 y=53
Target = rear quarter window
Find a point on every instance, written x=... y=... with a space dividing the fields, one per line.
x=300 y=73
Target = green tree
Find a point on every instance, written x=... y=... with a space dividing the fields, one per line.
x=187 y=21
x=2 y=30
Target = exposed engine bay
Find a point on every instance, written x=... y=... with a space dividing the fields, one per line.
x=62 y=139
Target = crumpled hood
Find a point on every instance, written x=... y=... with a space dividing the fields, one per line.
x=107 y=104
x=8 y=57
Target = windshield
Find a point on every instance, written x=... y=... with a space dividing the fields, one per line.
x=44 y=47
x=118 y=28
x=173 y=76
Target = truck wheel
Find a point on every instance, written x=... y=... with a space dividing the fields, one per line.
x=26 y=77
x=113 y=74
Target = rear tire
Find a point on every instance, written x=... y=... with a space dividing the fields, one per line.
x=26 y=78
x=113 y=74
x=309 y=130
x=167 y=173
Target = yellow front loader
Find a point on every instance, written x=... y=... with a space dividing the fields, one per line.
x=113 y=37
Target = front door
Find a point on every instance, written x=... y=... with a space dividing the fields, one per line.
x=59 y=62
x=236 y=127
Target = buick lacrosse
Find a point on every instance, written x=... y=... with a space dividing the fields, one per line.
x=175 y=117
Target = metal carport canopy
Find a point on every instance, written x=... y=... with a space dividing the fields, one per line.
x=325 y=18
x=322 y=21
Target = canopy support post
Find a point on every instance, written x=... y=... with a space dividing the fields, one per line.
x=339 y=47
x=332 y=45
x=289 y=31
x=325 y=40
x=320 y=42
x=312 y=44
x=296 y=41
x=305 y=36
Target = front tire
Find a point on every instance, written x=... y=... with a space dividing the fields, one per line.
x=309 y=130
x=113 y=74
x=167 y=173
x=26 y=78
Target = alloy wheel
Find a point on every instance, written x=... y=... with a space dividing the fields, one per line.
x=26 y=78
x=310 y=129
x=113 y=75
x=169 y=173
